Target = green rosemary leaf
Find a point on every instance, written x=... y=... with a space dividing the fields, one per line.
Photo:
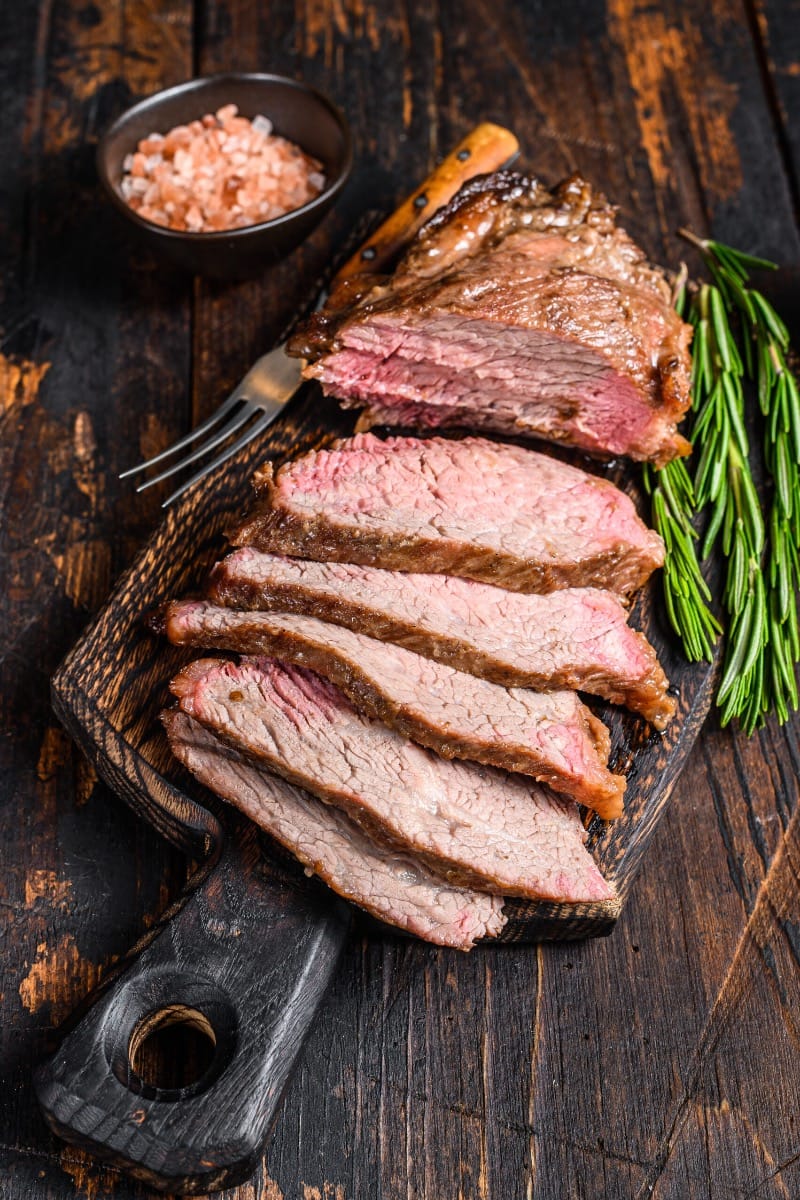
x=719 y=323
x=733 y=395
x=718 y=515
x=767 y=316
x=747 y=262
x=736 y=582
x=782 y=471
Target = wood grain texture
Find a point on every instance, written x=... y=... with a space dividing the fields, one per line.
x=256 y=1005
x=659 y=1061
x=776 y=34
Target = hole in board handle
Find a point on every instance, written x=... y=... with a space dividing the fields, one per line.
x=172 y=1048
x=171 y=1036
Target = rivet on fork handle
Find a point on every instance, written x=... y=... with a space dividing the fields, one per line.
x=487 y=148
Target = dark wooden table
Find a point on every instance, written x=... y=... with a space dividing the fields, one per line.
x=664 y=1061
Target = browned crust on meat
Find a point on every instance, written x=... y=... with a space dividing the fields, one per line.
x=600 y=790
x=617 y=570
x=443 y=865
x=474 y=239
x=647 y=696
x=493 y=201
x=621 y=570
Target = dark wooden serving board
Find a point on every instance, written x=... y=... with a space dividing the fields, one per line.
x=249 y=951
x=110 y=689
x=254 y=940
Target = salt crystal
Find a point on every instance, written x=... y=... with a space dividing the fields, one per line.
x=220 y=172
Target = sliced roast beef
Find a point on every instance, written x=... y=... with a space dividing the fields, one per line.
x=574 y=638
x=393 y=886
x=551 y=736
x=479 y=826
x=486 y=510
x=518 y=311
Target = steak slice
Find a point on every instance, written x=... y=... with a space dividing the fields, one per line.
x=477 y=825
x=551 y=736
x=518 y=311
x=487 y=510
x=393 y=886
x=574 y=638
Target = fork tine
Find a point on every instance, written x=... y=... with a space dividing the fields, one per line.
x=263 y=421
x=216 y=416
x=226 y=431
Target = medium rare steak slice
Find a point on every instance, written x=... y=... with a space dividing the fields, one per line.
x=551 y=736
x=574 y=638
x=394 y=887
x=477 y=825
x=486 y=510
x=518 y=311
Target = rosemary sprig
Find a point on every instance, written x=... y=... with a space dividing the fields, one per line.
x=686 y=592
x=738 y=336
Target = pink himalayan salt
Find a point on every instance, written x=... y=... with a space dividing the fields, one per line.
x=221 y=172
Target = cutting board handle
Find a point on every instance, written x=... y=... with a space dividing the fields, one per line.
x=253 y=1007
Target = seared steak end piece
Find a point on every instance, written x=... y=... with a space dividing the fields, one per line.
x=516 y=311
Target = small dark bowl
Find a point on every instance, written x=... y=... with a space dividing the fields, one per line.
x=297 y=111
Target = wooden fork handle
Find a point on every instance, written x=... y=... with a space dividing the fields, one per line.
x=485 y=149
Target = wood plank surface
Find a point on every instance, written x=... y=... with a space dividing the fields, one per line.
x=776 y=29
x=662 y=1061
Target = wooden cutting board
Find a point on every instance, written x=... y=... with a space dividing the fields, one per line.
x=254 y=943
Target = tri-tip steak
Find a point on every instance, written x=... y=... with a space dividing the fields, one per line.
x=477 y=826
x=550 y=736
x=489 y=511
x=518 y=311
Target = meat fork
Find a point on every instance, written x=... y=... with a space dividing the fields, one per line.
x=266 y=389
x=275 y=377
